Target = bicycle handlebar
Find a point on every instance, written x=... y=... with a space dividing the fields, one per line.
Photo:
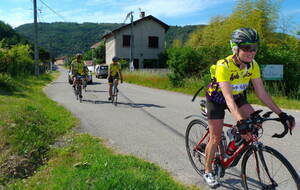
x=255 y=118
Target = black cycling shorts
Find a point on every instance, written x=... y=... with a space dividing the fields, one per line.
x=217 y=111
x=111 y=78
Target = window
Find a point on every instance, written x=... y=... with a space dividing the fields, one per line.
x=150 y=63
x=153 y=42
x=126 y=40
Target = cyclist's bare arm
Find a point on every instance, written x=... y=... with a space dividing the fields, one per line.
x=262 y=94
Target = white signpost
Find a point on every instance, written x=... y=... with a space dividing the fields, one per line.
x=272 y=72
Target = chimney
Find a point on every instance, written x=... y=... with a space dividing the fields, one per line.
x=142 y=14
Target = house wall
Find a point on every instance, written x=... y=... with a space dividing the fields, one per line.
x=141 y=51
x=110 y=49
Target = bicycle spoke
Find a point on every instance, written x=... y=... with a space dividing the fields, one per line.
x=272 y=171
x=194 y=133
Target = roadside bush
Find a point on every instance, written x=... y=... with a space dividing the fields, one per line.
x=6 y=82
x=124 y=64
x=16 y=61
x=291 y=65
x=184 y=63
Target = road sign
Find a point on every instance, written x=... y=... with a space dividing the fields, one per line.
x=272 y=72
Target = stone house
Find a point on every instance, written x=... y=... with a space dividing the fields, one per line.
x=148 y=42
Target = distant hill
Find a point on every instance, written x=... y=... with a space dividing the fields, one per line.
x=180 y=33
x=10 y=36
x=63 y=38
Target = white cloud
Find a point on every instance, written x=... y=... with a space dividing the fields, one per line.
x=110 y=10
x=17 y=16
x=173 y=8
x=82 y=15
x=115 y=11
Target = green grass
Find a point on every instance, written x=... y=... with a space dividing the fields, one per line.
x=48 y=155
x=30 y=122
x=161 y=81
x=86 y=163
x=191 y=85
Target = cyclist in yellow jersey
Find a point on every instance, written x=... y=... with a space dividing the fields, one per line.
x=226 y=91
x=78 y=68
x=114 y=72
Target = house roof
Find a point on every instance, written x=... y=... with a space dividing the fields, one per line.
x=61 y=58
x=150 y=17
x=95 y=45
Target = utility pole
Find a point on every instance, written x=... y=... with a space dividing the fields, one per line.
x=131 y=42
x=36 y=51
x=131 y=66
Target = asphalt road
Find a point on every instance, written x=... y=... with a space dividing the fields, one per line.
x=150 y=124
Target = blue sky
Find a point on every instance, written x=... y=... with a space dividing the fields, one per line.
x=172 y=12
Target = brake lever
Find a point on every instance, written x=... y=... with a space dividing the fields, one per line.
x=286 y=130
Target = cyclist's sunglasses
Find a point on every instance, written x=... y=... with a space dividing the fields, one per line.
x=248 y=48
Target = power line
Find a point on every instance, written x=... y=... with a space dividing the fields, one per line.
x=56 y=13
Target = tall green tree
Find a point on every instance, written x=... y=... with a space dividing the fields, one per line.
x=260 y=14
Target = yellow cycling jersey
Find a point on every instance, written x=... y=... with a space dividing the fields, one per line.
x=238 y=78
x=77 y=67
x=114 y=69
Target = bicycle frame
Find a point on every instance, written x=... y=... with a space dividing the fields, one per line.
x=226 y=164
x=78 y=85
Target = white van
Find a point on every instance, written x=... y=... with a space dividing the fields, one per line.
x=101 y=71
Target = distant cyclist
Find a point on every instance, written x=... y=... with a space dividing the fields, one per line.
x=114 y=72
x=78 y=68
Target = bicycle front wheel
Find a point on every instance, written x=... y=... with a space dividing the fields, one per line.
x=265 y=168
x=115 y=95
x=196 y=130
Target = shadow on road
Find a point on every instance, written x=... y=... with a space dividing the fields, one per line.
x=57 y=82
x=96 y=101
x=233 y=183
x=95 y=83
x=96 y=90
x=137 y=105
x=133 y=105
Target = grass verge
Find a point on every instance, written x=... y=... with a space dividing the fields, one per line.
x=161 y=81
x=39 y=151
x=86 y=163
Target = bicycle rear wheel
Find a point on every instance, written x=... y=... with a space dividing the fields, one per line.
x=80 y=93
x=266 y=168
x=195 y=131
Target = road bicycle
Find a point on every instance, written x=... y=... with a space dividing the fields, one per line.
x=262 y=166
x=115 y=91
x=78 y=87
x=84 y=84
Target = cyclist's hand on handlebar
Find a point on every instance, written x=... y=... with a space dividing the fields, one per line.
x=243 y=126
x=244 y=129
x=288 y=119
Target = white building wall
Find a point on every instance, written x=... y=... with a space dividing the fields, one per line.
x=110 y=49
x=141 y=51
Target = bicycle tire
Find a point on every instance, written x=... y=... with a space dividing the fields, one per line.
x=291 y=181
x=116 y=97
x=80 y=93
x=196 y=157
x=114 y=94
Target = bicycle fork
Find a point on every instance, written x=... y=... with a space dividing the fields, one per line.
x=258 y=149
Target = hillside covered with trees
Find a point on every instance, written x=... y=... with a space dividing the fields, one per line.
x=61 y=38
